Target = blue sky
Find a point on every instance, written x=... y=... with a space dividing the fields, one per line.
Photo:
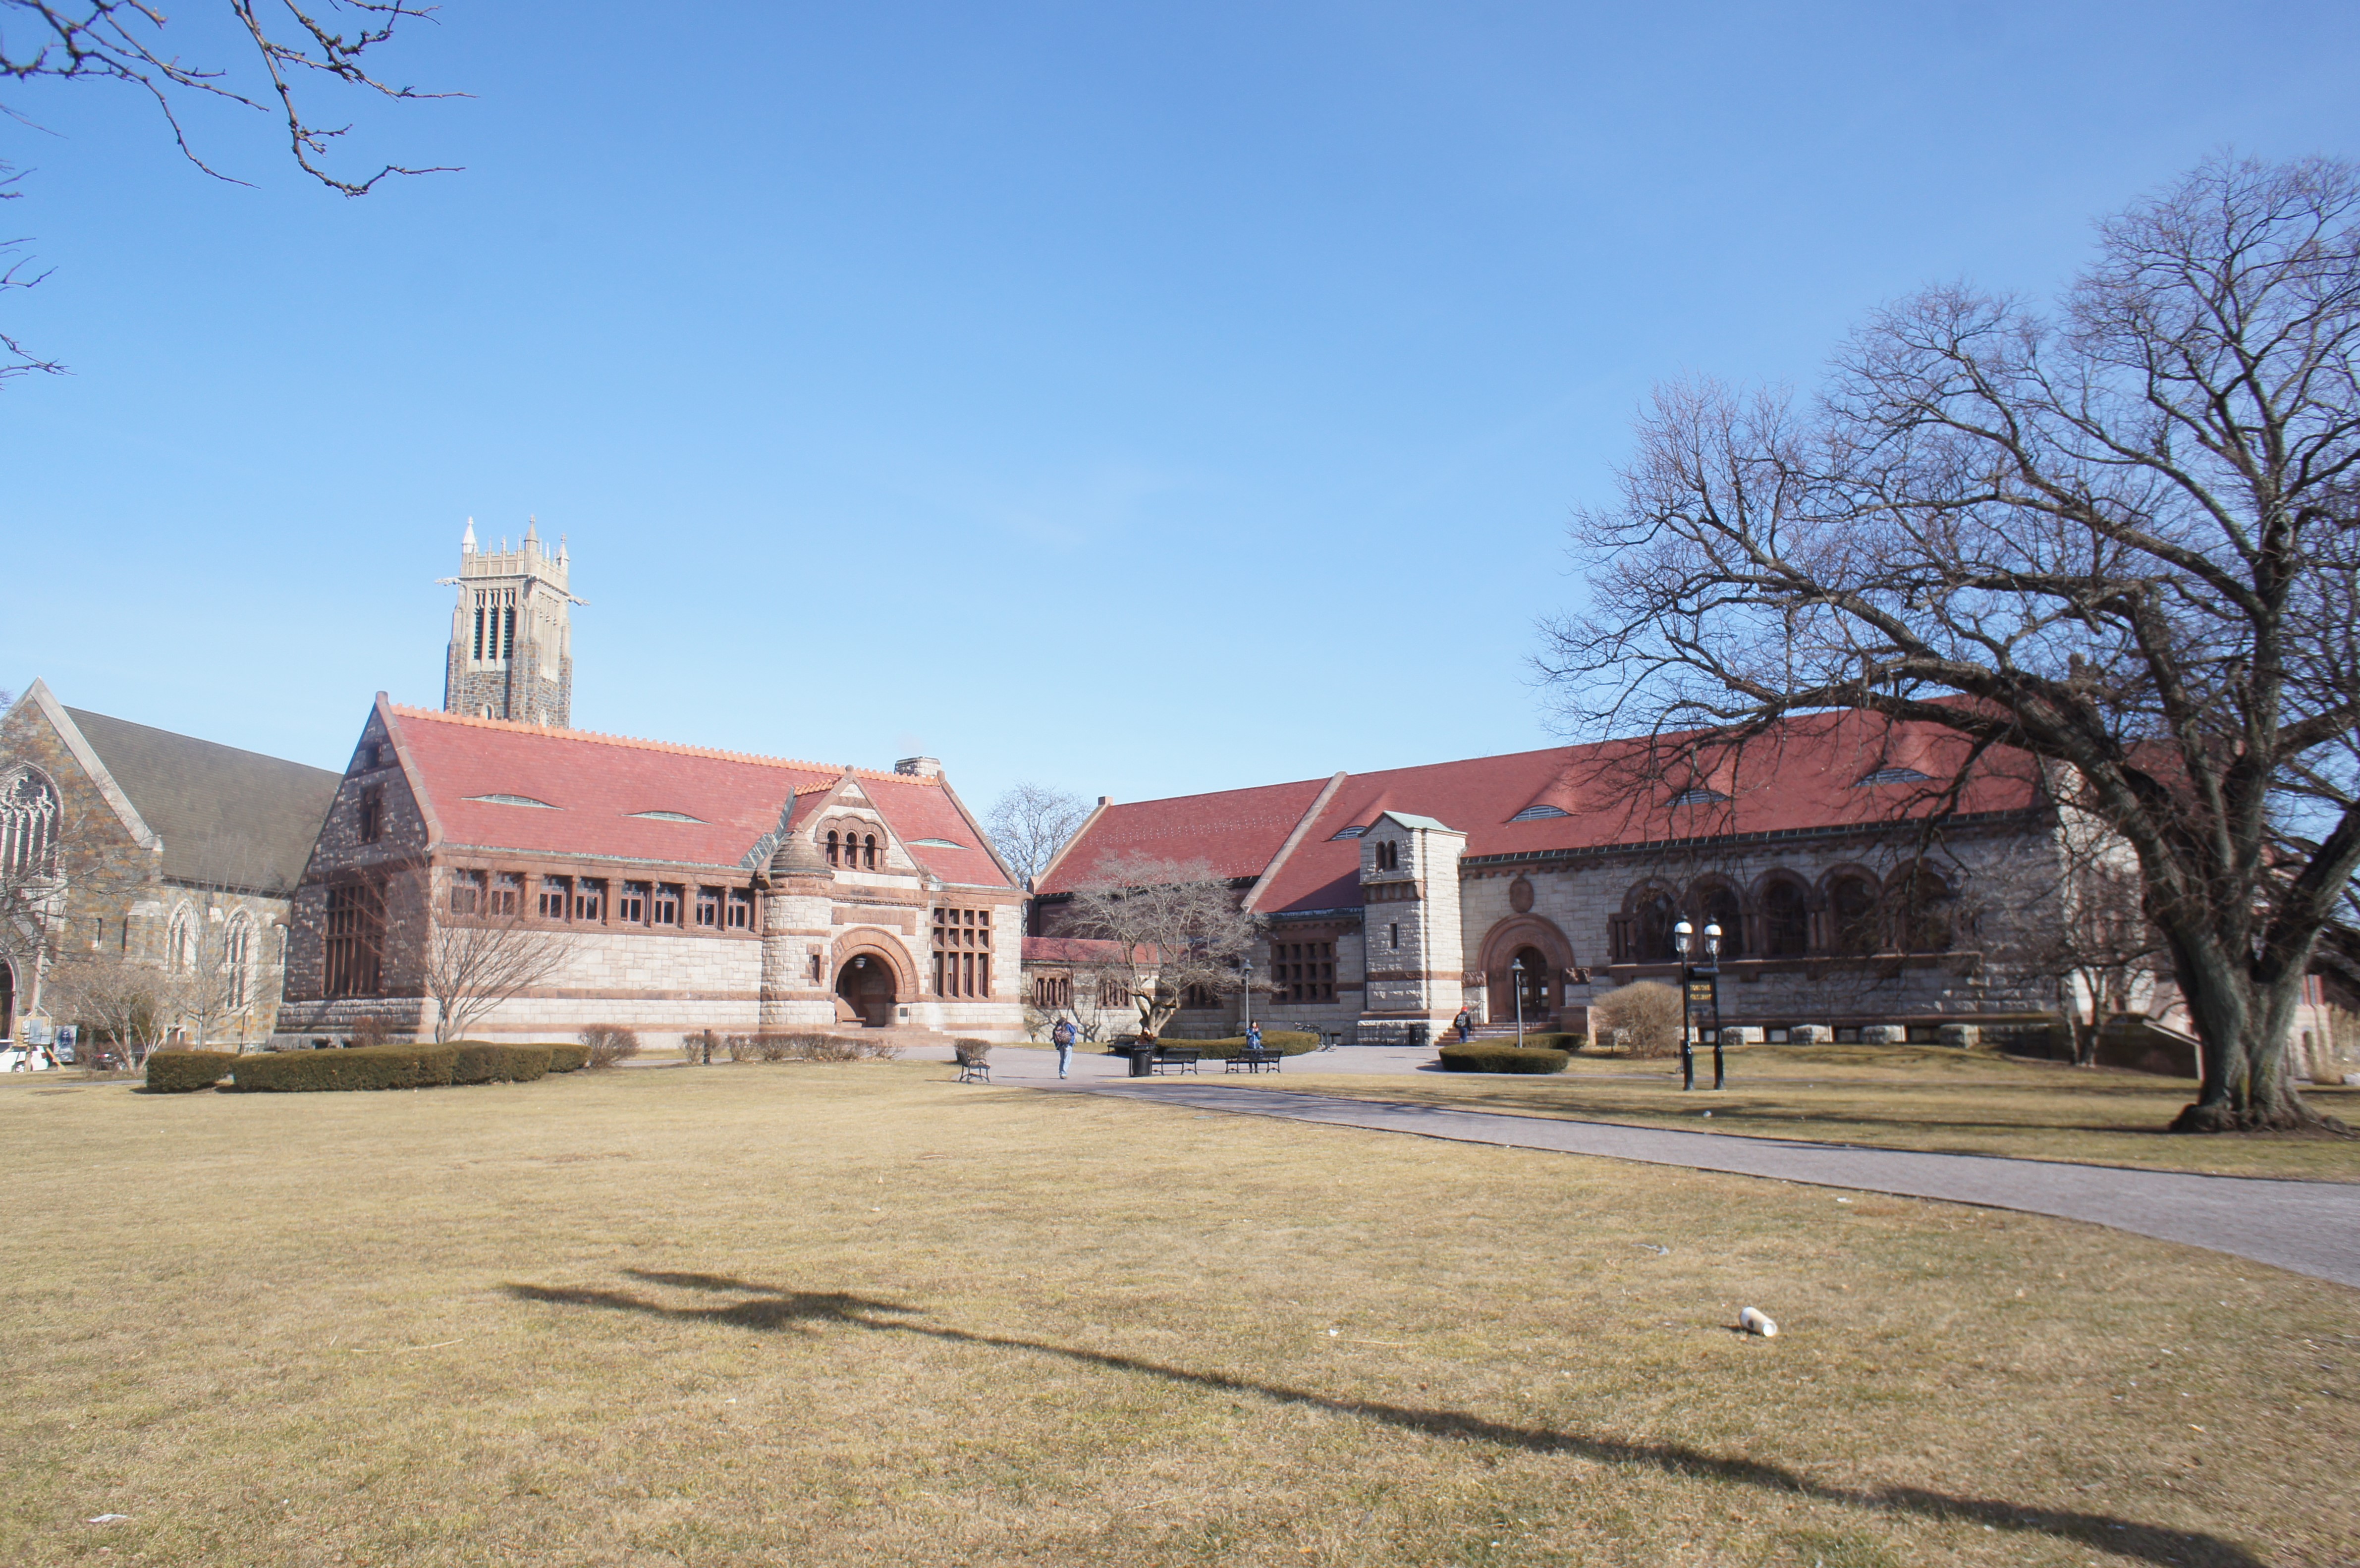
x=1136 y=399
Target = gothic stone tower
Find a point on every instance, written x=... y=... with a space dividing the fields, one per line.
x=511 y=634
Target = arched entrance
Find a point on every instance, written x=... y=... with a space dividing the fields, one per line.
x=866 y=984
x=1546 y=956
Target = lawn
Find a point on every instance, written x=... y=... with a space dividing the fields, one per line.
x=811 y=1314
x=1896 y=1097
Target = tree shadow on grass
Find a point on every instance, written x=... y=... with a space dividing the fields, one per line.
x=772 y=1308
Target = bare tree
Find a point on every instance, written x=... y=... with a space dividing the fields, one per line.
x=1176 y=928
x=1643 y=1018
x=1031 y=823
x=475 y=964
x=2069 y=908
x=126 y=1001
x=2122 y=541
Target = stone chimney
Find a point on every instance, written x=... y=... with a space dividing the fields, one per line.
x=923 y=767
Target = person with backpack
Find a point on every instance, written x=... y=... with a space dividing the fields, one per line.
x=1062 y=1037
x=1253 y=1039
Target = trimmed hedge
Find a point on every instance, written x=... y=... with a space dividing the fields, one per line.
x=362 y=1067
x=1485 y=1057
x=185 y=1072
x=1285 y=1042
x=1534 y=1041
x=481 y=1062
x=567 y=1057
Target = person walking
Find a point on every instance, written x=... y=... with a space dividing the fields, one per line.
x=1062 y=1037
x=1464 y=1024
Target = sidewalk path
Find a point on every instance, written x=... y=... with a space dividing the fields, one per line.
x=2310 y=1227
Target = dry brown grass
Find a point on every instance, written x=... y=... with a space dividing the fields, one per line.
x=1907 y=1096
x=803 y=1314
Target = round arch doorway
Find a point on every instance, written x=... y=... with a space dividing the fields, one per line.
x=866 y=984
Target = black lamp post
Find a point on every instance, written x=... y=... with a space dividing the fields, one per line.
x=1517 y=970
x=1699 y=993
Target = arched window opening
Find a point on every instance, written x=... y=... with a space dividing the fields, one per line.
x=1853 y=907
x=831 y=846
x=1785 y=920
x=1719 y=906
x=1925 y=906
x=868 y=853
x=1653 y=929
x=237 y=958
x=29 y=826
x=1388 y=856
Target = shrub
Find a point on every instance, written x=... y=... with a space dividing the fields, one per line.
x=182 y=1072
x=1485 y=1057
x=970 y=1051
x=808 y=1047
x=480 y=1062
x=609 y=1043
x=362 y=1067
x=1284 y=1042
x=1640 y=1019
x=567 y=1057
x=1536 y=1040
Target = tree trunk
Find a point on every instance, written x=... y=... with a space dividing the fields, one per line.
x=2243 y=1015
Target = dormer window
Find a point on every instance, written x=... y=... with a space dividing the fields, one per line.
x=1892 y=775
x=1698 y=797
x=1539 y=814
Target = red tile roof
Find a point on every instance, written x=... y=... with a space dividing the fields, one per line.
x=600 y=785
x=1806 y=775
x=1234 y=831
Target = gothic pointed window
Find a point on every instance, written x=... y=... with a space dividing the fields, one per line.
x=237 y=959
x=29 y=826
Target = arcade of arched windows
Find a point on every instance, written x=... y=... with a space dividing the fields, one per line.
x=1849 y=911
x=852 y=845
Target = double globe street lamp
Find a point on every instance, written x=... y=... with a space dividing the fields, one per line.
x=1699 y=996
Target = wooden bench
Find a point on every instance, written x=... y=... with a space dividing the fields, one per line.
x=1264 y=1060
x=1175 y=1059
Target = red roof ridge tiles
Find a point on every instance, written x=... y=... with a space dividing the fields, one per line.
x=675 y=749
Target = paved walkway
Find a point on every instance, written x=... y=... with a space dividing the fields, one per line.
x=2310 y=1227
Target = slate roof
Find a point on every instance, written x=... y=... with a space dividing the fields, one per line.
x=594 y=791
x=1809 y=774
x=228 y=818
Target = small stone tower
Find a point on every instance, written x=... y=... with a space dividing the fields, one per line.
x=511 y=633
